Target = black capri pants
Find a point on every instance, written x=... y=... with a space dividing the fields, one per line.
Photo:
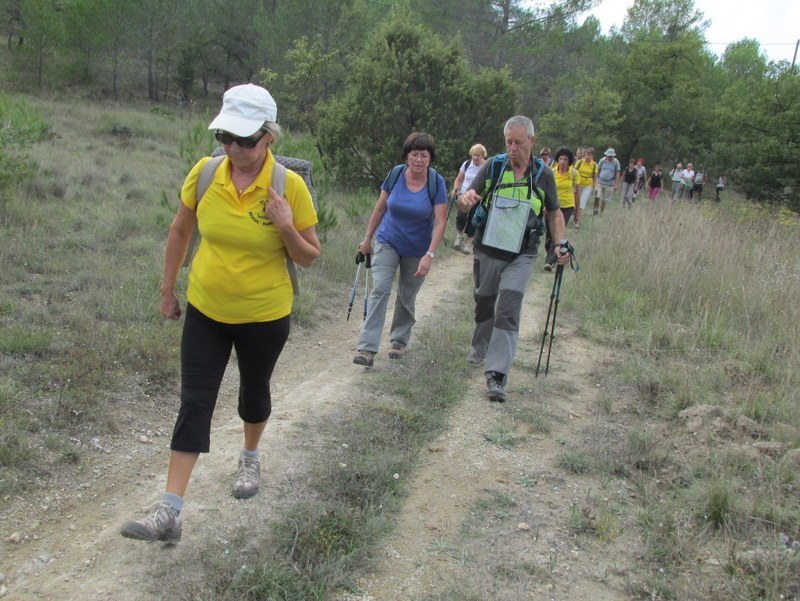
x=205 y=350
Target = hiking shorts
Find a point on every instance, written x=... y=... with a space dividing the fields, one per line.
x=586 y=193
x=606 y=193
x=206 y=347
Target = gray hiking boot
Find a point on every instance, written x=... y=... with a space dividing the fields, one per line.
x=495 y=390
x=163 y=525
x=248 y=478
x=458 y=241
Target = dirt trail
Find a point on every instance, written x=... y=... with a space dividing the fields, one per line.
x=63 y=542
x=430 y=552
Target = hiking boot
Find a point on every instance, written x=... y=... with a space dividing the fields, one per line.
x=365 y=358
x=457 y=242
x=248 y=478
x=576 y=225
x=474 y=358
x=467 y=248
x=396 y=351
x=495 y=390
x=164 y=525
x=548 y=267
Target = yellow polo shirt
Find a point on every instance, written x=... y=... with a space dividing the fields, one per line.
x=587 y=170
x=564 y=186
x=239 y=272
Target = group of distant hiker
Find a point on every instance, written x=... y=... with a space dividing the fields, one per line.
x=689 y=184
x=609 y=177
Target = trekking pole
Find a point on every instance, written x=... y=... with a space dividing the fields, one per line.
x=368 y=264
x=555 y=295
x=559 y=275
x=359 y=261
x=450 y=206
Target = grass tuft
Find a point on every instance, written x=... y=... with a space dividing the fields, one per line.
x=574 y=461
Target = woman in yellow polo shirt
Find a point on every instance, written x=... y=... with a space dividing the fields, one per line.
x=587 y=181
x=239 y=294
x=567 y=180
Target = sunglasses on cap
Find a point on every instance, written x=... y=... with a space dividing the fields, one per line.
x=225 y=138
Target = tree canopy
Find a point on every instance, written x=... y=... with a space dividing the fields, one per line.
x=361 y=75
x=409 y=80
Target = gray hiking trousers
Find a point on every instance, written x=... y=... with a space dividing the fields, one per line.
x=385 y=262
x=499 y=291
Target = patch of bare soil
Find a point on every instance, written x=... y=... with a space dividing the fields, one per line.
x=475 y=510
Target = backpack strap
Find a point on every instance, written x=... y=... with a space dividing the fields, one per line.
x=498 y=166
x=279 y=185
x=279 y=179
x=393 y=176
x=302 y=168
x=432 y=183
x=538 y=173
x=204 y=180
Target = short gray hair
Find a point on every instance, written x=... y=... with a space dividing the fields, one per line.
x=519 y=121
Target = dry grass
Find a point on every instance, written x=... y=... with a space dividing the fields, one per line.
x=702 y=300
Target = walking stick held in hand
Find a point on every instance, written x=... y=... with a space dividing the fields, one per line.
x=359 y=261
x=368 y=264
x=567 y=248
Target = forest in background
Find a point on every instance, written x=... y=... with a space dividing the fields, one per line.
x=359 y=75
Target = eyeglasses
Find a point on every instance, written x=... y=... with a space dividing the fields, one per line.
x=225 y=138
x=545 y=154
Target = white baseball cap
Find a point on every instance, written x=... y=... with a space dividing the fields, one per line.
x=245 y=108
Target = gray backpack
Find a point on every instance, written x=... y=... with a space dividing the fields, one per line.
x=204 y=179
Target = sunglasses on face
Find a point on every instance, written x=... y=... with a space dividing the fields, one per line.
x=225 y=138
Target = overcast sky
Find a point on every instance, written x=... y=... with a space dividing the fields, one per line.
x=774 y=23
